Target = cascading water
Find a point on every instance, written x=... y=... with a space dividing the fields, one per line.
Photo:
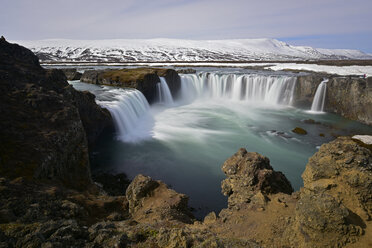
x=164 y=94
x=319 y=98
x=127 y=108
x=274 y=90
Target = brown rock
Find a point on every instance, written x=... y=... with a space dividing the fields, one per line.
x=249 y=173
x=299 y=130
x=153 y=200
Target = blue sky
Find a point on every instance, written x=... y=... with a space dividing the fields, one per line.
x=317 y=23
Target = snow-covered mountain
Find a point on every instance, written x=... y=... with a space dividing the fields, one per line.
x=153 y=50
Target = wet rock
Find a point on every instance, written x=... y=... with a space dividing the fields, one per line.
x=299 y=130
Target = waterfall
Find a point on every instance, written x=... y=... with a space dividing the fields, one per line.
x=275 y=90
x=319 y=98
x=128 y=108
x=163 y=92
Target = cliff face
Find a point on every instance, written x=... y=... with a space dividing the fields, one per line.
x=351 y=98
x=42 y=134
x=347 y=96
x=305 y=90
x=142 y=79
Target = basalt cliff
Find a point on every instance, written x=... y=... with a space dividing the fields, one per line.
x=48 y=198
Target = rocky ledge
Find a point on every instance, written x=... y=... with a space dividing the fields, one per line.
x=142 y=79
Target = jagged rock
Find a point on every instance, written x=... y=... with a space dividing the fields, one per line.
x=150 y=199
x=72 y=74
x=249 y=173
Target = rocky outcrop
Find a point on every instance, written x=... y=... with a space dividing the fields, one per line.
x=336 y=201
x=250 y=175
x=72 y=74
x=151 y=200
x=333 y=209
x=142 y=79
x=41 y=130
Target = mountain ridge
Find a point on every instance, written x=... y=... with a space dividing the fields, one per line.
x=164 y=49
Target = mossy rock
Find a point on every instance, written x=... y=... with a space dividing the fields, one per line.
x=299 y=130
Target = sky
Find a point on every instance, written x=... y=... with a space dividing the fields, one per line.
x=316 y=23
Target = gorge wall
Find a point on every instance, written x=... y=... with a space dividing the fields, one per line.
x=42 y=121
x=350 y=97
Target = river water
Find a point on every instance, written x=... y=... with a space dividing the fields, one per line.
x=185 y=140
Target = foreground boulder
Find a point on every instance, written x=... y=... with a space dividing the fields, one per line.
x=333 y=209
x=250 y=174
x=335 y=203
x=151 y=200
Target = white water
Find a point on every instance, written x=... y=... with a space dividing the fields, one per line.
x=130 y=111
x=272 y=90
x=136 y=121
x=319 y=98
x=164 y=94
